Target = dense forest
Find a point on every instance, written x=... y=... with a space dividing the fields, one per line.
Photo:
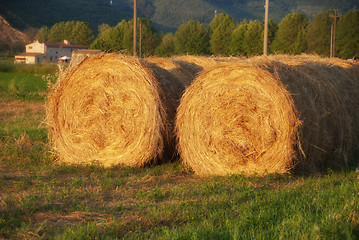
x=219 y=27
x=166 y=15
x=295 y=34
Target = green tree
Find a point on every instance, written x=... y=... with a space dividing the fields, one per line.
x=167 y=47
x=347 y=44
x=102 y=28
x=58 y=32
x=74 y=31
x=42 y=34
x=82 y=33
x=237 y=37
x=272 y=30
x=120 y=38
x=221 y=29
x=191 y=38
x=291 y=35
x=112 y=39
x=149 y=38
x=253 y=38
x=127 y=37
x=318 y=36
x=218 y=20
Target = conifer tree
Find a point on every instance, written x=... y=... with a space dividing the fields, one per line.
x=221 y=29
x=291 y=35
x=191 y=38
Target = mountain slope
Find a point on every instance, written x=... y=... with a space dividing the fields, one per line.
x=8 y=33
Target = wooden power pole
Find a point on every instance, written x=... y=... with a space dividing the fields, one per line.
x=265 y=41
x=134 y=28
x=332 y=47
x=331 y=40
x=140 y=43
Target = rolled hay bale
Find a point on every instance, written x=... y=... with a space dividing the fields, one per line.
x=110 y=109
x=201 y=61
x=325 y=93
x=237 y=118
x=292 y=113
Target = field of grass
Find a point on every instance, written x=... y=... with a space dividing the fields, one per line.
x=43 y=199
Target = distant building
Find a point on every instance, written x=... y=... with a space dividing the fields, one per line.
x=29 y=58
x=38 y=52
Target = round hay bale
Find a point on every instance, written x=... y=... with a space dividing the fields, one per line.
x=236 y=119
x=108 y=109
x=325 y=94
x=201 y=61
x=321 y=94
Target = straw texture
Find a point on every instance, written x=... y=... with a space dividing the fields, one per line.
x=108 y=109
x=269 y=114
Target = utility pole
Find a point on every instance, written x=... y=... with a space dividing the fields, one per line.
x=140 y=45
x=265 y=42
x=335 y=16
x=134 y=28
x=331 y=40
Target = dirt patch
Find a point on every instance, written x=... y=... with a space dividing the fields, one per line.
x=15 y=109
x=63 y=219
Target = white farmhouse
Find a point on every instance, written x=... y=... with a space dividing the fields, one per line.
x=38 y=52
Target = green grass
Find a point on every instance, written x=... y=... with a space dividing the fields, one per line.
x=42 y=199
x=24 y=86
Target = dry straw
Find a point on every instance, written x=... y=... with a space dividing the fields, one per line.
x=173 y=76
x=115 y=109
x=109 y=109
x=235 y=119
x=269 y=114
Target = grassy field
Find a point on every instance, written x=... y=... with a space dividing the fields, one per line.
x=43 y=199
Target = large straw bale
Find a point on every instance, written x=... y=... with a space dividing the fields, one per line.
x=224 y=127
x=201 y=61
x=330 y=111
x=107 y=109
x=115 y=109
x=235 y=119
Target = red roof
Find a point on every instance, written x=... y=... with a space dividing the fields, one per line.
x=64 y=45
x=27 y=54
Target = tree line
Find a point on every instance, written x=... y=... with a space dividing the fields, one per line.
x=295 y=34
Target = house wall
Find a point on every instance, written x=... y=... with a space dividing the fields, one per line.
x=35 y=47
x=20 y=59
x=51 y=54
x=30 y=60
x=54 y=53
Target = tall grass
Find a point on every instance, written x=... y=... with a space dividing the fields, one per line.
x=9 y=67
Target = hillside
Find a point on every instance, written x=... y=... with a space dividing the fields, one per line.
x=167 y=15
x=7 y=32
x=11 y=39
